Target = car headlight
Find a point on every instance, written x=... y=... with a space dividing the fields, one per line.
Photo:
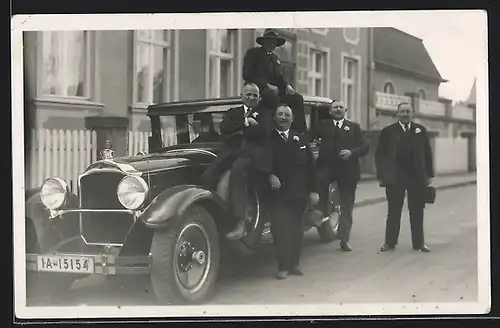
x=132 y=192
x=54 y=193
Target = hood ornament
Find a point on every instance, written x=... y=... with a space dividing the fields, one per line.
x=108 y=153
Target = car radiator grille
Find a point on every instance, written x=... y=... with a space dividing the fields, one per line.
x=98 y=191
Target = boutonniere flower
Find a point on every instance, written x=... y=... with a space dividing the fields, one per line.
x=255 y=114
x=417 y=130
x=346 y=128
x=296 y=138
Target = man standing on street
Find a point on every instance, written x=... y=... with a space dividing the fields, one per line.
x=293 y=181
x=342 y=145
x=262 y=67
x=404 y=164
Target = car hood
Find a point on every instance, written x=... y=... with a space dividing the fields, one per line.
x=169 y=158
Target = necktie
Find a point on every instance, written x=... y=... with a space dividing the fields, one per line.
x=407 y=127
x=283 y=135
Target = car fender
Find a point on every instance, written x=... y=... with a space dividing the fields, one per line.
x=39 y=215
x=170 y=205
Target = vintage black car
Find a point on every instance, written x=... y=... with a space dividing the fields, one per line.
x=149 y=214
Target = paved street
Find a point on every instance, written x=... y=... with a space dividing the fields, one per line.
x=447 y=274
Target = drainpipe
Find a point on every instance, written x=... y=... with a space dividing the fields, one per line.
x=370 y=72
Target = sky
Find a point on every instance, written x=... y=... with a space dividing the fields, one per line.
x=456 y=47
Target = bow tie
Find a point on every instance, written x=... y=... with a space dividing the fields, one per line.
x=269 y=53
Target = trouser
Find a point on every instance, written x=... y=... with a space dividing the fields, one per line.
x=395 y=199
x=347 y=197
x=238 y=186
x=296 y=103
x=287 y=229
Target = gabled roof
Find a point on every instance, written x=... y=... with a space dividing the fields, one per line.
x=400 y=50
x=472 y=95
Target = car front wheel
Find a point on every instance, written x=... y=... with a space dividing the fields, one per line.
x=185 y=259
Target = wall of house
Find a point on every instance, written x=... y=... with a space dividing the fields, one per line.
x=112 y=76
x=110 y=84
x=404 y=84
x=338 y=47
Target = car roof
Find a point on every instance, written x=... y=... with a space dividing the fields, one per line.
x=211 y=105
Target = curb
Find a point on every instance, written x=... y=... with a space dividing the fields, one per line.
x=381 y=199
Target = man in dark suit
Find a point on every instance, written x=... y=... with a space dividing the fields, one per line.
x=293 y=181
x=262 y=67
x=342 y=145
x=247 y=152
x=404 y=164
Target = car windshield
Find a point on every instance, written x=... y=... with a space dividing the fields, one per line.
x=190 y=128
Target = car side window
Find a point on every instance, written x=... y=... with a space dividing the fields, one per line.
x=204 y=127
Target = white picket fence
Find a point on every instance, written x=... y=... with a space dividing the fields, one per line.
x=59 y=153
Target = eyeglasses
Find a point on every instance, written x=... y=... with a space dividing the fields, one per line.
x=338 y=107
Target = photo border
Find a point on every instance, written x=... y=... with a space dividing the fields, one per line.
x=21 y=23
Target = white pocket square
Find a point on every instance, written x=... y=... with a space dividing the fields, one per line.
x=303 y=147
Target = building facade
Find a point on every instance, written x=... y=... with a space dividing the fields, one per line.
x=73 y=74
x=404 y=71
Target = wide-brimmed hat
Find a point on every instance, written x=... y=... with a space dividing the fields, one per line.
x=271 y=34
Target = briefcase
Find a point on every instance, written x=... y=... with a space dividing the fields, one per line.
x=429 y=195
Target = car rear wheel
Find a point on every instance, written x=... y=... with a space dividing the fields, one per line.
x=328 y=229
x=186 y=259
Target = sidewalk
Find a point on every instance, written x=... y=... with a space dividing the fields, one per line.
x=369 y=191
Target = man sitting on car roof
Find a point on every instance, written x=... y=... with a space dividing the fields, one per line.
x=262 y=67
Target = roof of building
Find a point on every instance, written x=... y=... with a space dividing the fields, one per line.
x=398 y=49
x=472 y=95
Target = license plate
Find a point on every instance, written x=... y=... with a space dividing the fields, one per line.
x=64 y=263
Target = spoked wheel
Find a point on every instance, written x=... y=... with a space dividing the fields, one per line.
x=186 y=259
x=328 y=229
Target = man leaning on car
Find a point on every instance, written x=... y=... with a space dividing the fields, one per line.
x=247 y=151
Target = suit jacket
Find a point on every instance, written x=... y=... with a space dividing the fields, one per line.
x=385 y=154
x=333 y=140
x=249 y=141
x=293 y=164
x=261 y=69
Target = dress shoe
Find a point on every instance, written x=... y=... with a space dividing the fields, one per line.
x=238 y=232
x=296 y=272
x=424 y=249
x=282 y=275
x=345 y=247
x=386 y=248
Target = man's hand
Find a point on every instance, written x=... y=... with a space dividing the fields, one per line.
x=274 y=181
x=314 y=198
x=345 y=154
x=289 y=90
x=272 y=87
x=252 y=121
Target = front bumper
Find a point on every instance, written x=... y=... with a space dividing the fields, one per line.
x=99 y=264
